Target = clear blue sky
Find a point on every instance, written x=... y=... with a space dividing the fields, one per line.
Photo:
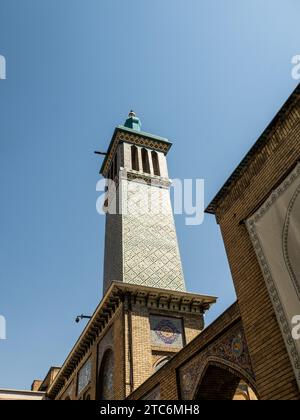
x=208 y=74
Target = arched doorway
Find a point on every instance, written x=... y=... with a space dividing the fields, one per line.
x=106 y=377
x=219 y=382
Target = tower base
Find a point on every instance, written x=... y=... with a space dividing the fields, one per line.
x=134 y=331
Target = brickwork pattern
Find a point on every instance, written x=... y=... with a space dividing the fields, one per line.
x=275 y=159
x=229 y=350
x=142 y=248
x=113 y=255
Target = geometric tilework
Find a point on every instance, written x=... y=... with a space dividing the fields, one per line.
x=153 y=395
x=150 y=249
x=84 y=376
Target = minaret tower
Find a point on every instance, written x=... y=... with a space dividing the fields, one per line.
x=140 y=239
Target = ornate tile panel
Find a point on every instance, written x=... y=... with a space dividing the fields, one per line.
x=231 y=350
x=84 y=376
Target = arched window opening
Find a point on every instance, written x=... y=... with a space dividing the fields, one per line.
x=106 y=377
x=145 y=160
x=135 y=158
x=155 y=163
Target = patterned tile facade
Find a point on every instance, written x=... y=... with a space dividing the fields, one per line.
x=84 y=376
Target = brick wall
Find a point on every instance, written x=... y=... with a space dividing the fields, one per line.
x=274 y=158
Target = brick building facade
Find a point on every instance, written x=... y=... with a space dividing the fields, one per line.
x=265 y=168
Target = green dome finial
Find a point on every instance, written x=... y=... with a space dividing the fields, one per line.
x=133 y=122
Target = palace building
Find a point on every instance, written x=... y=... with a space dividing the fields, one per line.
x=147 y=339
